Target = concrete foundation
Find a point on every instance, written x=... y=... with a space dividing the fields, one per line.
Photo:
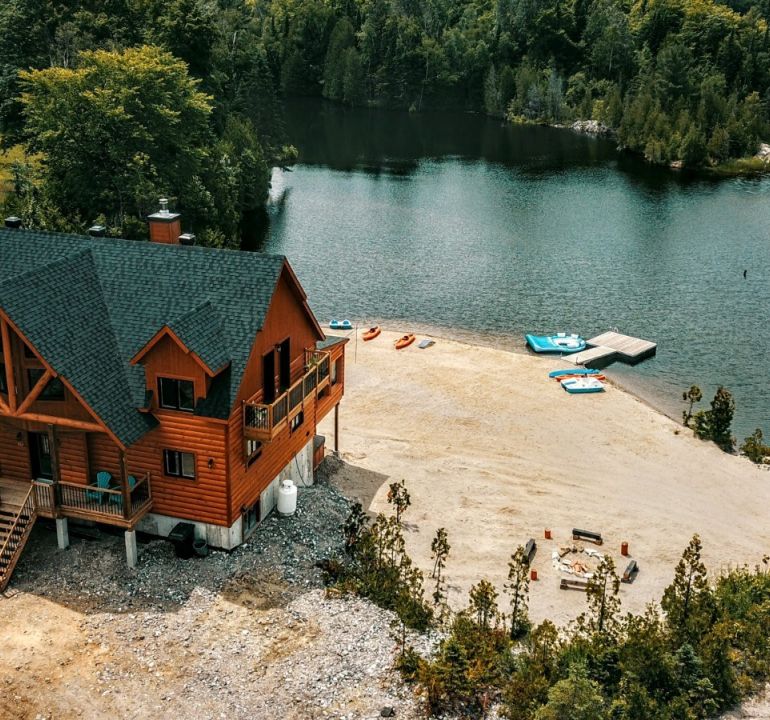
x=299 y=471
x=132 y=555
x=62 y=533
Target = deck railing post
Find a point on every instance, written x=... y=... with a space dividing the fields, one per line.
x=124 y=486
x=55 y=466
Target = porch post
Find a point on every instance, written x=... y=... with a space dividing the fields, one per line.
x=55 y=467
x=337 y=429
x=62 y=533
x=125 y=489
x=131 y=551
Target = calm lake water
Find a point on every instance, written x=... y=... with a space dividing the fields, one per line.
x=485 y=231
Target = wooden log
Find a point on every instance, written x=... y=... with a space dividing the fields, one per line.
x=573 y=584
x=529 y=550
x=65 y=422
x=630 y=573
x=34 y=393
x=588 y=535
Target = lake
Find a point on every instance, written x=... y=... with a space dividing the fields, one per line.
x=479 y=230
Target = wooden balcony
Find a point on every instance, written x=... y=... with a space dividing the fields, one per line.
x=112 y=506
x=263 y=421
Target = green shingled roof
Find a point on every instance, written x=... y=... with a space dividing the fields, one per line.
x=90 y=304
x=201 y=331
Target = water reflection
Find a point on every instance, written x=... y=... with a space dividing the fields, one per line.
x=458 y=221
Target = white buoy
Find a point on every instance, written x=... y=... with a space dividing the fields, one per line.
x=287 y=498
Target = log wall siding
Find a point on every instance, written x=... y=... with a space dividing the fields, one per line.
x=285 y=318
x=203 y=499
x=73 y=456
x=14 y=459
x=103 y=455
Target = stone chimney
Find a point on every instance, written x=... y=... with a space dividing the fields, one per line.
x=165 y=226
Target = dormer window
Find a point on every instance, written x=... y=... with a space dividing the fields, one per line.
x=176 y=394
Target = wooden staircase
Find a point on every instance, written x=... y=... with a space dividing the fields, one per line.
x=17 y=516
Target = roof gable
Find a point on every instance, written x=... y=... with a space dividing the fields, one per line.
x=61 y=311
x=117 y=295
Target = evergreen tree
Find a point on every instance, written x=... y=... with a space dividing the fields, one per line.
x=688 y=602
x=602 y=596
x=518 y=590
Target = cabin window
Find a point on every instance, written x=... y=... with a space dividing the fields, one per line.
x=250 y=519
x=3 y=379
x=253 y=451
x=297 y=420
x=54 y=389
x=176 y=394
x=179 y=464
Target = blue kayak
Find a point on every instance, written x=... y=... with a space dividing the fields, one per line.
x=573 y=371
x=341 y=325
x=559 y=343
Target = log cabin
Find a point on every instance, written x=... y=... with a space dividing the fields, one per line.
x=143 y=384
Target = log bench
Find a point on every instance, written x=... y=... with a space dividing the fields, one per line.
x=529 y=550
x=630 y=573
x=593 y=537
x=573 y=584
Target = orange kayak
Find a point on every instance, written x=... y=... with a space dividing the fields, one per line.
x=405 y=341
x=372 y=333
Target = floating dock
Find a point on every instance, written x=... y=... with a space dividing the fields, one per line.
x=611 y=346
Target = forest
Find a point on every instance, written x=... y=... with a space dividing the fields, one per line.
x=678 y=81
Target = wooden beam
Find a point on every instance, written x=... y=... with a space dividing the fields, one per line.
x=100 y=423
x=124 y=484
x=7 y=356
x=34 y=393
x=24 y=339
x=64 y=422
x=337 y=429
x=55 y=466
x=4 y=408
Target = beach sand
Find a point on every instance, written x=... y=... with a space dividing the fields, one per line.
x=495 y=452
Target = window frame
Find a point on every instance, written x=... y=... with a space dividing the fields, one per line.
x=253 y=455
x=178 y=382
x=177 y=454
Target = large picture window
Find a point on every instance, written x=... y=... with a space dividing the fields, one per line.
x=176 y=394
x=179 y=464
x=54 y=390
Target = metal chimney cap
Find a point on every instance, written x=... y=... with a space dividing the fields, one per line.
x=164 y=205
x=13 y=222
x=97 y=230
x=187 y=239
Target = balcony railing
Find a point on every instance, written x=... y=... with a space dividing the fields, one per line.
x=90 y=502
x=263 y=421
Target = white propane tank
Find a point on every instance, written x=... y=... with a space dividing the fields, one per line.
x=287 y=498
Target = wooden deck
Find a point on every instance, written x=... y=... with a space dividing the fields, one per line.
x=12 y=492
x=611 y=346
x=79 y=502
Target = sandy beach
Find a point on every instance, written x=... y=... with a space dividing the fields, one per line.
x=495 y=452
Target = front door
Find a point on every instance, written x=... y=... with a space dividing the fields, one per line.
x=284 y=354
x=40 y=456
